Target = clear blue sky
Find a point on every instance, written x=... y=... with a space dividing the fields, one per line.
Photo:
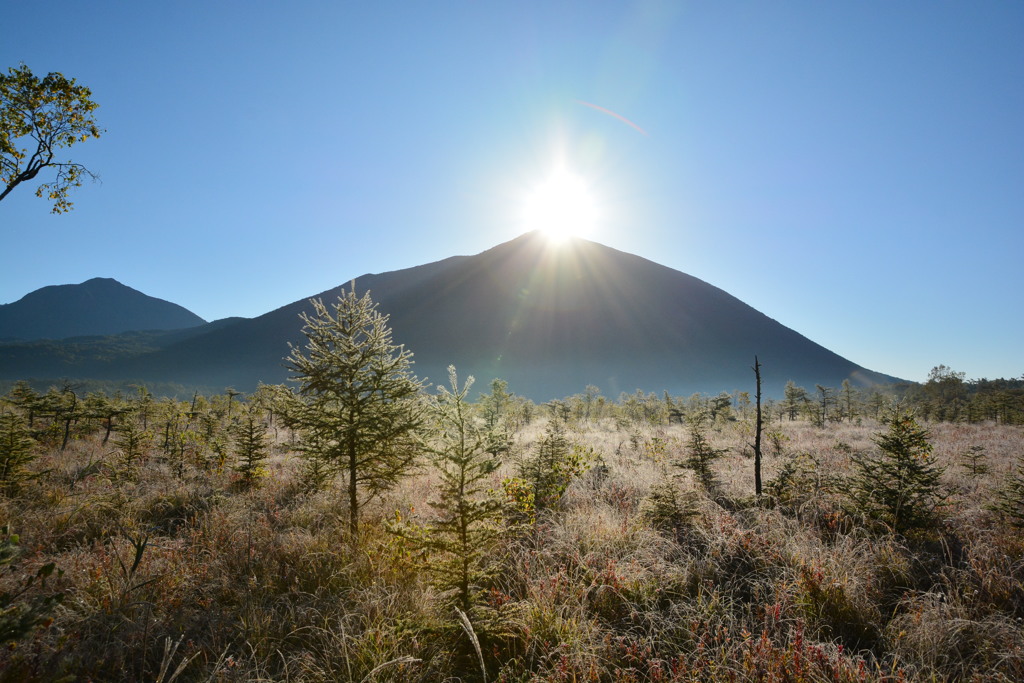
x=853 y=170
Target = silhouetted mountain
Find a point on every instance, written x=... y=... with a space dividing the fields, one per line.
x=100 y=306
x=550 y=320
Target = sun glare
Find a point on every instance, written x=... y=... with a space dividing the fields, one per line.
x=561 y=206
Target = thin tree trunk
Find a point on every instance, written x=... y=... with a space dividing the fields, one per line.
x=353 y=493
x=110 y=427
x=757 y=432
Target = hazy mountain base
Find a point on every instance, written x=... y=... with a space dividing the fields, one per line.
x=192 y=573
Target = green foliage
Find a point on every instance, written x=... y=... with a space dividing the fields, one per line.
x=899 y=486
x=47 y=114
x=1009 y=499
x=133 y=442
x=15 y=450
x=618 y=586
x=360 y=409
x=944 y=394
x=24 y=397
x=63 y=410
x=251 y=447
x=849 y=401
x=720 y=407
x=640 y=408
x=317 y=469
x=556 y=462
x=776 y=441
x=667 y=509
x=794 y=401
x=212 y=441
x=174 y=436
x=974 y=461
x=19 y=615
x=827 y=402
x=468 y=519
x=521 y=500
x=796 y=483
x=496 y=406
x=700 y=455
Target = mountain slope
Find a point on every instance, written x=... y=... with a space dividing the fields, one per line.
x=549 y=320
x=100 y=306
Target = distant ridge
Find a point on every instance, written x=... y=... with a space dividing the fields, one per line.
x=549 y=320
x=100 y=306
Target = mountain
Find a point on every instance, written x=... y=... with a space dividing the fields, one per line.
x=100 y=306
x=548 y=319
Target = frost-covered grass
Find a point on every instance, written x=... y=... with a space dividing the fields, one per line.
x=198 y=575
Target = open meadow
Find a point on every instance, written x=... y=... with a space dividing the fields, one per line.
x=610 y=545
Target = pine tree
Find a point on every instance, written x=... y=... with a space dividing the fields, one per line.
x=700 y=455
x=174 y=437
x=899 y=486
x=495 y=406
x=24 y=397
x=826 y=399
x=132 y=441
x=849 y=400
x=360 y=410
x=973 y=460
x=1009 y=500
x=556 y=462
x=251 y=448
x=15 y=449
x=796 y=397
x=469 y=515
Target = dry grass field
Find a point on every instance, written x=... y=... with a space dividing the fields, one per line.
x=172 y=568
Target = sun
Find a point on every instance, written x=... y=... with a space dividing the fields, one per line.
x=561 y=206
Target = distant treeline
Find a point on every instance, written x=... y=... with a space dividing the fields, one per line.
x=946 y=396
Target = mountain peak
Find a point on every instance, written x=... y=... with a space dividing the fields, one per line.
x=98 y=306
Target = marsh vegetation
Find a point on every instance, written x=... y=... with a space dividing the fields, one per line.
x=152 y=539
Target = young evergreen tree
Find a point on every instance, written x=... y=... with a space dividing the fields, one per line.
x=495 y=406
x=826 y=400
x=795 y=398
x=174 y=436
x=64 y=408
x=556 y=462
x=144 y=406
x=469 y=515
x=24 y=397
x=361 y=409
x=590 y=402
x=132 y=441
x=849 y=400
x=700 y=455
x=899 y=486
x=15 y=449
x=99 y=406
x=1009 y=500
x=974 y=461
x=250 y=440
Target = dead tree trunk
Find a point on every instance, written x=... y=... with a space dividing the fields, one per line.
x=757 y=431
